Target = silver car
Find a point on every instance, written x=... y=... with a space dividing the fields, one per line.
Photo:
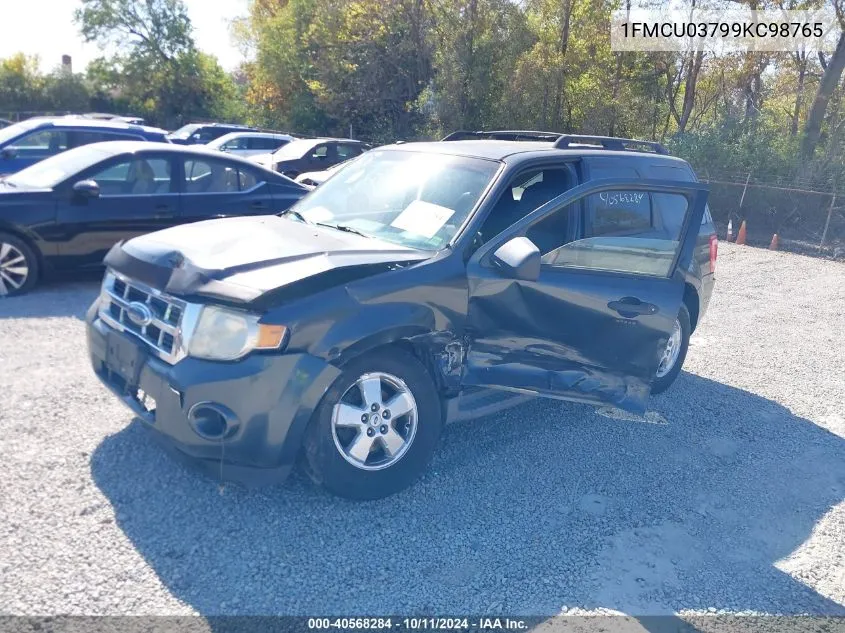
x=246 y=144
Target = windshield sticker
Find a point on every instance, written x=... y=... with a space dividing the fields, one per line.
x=422 y=218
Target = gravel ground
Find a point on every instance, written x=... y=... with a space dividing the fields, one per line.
x=730 y=499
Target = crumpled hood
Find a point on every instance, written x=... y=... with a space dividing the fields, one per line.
x=241 y=259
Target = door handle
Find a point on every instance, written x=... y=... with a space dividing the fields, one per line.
x=631 y=306
x=258 y=205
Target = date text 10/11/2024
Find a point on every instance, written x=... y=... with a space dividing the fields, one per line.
x=416 y=624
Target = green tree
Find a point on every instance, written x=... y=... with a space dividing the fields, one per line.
x=21 y=84
x=477 y=46
x=157 y=72
x=65 y=91
x=331 y=65
x=158 y=29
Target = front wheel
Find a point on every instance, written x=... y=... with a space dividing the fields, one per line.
x=18 y=266
x=376 y=428
x=673 y=355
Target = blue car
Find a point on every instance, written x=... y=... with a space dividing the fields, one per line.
x=25 y=143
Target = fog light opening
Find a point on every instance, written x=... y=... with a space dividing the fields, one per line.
x=212 y=422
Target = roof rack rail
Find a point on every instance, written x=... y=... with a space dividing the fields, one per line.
x=566 y=141
x=562 y=141
x=502 y=135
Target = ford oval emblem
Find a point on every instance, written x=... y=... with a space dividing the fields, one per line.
x=139 y=313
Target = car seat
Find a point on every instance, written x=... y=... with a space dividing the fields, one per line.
x=551 y=232
x=142 y=177
x=504 y=214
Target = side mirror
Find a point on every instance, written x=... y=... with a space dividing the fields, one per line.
x=9 y=153
x=518 y=258
x=86 y=189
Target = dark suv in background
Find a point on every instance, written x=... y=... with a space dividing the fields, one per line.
x=30 y=141
x=422 y=283
x=311 y=154
x=202 y=133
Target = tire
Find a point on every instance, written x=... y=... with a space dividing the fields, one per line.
x=19 y=266
x=337 y=436
x=663 y=382
x=291 y=174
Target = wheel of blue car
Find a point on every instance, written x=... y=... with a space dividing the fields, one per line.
x=376 y=428
x=673 y=355
x=18 y=266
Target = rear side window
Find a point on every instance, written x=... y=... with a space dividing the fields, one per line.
x=657 y=215
x=212 y=176
x=42 y=143
x=267 y=144
x=683 y=173
x=206 y=134
x=645 y=251
x=137 y=176
x=79 y=138
x=237 y=143
x=616 y=212
x=347 y=151
x=619 y=213
x=247 y=179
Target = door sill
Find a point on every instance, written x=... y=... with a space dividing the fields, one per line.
x=480 y=402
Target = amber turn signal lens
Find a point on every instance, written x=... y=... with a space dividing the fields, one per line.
x=270 y=336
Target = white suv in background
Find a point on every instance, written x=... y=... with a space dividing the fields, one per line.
x=250 y=143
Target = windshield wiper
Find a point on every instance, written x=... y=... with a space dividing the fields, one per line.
x=295 y=214
x=344 y=228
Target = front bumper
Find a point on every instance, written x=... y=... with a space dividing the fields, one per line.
x=268 y=398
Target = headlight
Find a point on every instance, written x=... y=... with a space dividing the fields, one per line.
x=223 y=334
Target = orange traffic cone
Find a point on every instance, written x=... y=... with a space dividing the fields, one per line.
x=740 y=237
x=774 y=245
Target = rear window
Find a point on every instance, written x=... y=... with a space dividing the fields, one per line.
x=615 y=213
x=639 y=214
x=683 y=173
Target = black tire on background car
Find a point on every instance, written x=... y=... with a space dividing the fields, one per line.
x=18 y=266
x=290 y=174
x=673 y=356
x=376 y=428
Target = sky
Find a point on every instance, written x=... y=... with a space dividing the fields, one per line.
x=46 y=28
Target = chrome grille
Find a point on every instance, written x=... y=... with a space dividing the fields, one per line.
x=150 y=315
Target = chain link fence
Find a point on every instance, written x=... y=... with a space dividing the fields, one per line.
x=806 y=217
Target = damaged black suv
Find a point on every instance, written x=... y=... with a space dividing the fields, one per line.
x=421 y=284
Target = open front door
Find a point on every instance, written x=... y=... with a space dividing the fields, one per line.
x=586 y=320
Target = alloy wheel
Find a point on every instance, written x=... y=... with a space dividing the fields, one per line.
x=375 y=421
x=14 y=270
x=672 y=350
